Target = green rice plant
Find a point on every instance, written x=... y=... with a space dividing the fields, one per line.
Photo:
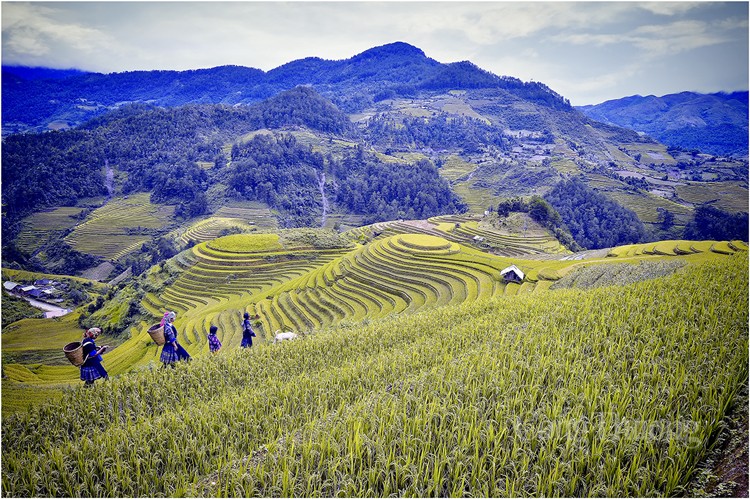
x=108 y=231
x=38 y=228
x=246 y=243
x=598 y=392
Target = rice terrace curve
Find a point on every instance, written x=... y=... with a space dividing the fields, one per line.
x=407 y=337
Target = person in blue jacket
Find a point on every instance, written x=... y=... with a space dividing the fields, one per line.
x=247 y=332
x=172 y=350
x=92 y=368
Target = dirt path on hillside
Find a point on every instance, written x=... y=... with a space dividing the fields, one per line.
x=109 y=180
x=321 y=185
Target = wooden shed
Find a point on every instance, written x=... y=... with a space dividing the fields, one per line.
x=512 y=274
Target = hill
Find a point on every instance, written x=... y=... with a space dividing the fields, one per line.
x=385 y=135
x=352 y=84
x=605 y=391
x=711 y=123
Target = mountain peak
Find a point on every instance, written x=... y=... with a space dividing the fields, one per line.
x=399 y=49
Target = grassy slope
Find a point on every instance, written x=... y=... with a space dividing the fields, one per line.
x=508 y=396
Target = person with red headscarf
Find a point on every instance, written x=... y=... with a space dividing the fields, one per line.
x=92 y=368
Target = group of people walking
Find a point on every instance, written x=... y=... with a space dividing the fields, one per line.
x=171 y=352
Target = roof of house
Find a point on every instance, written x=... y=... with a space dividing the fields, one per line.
x=9 y=285
x=26 y=289
x=514 y=269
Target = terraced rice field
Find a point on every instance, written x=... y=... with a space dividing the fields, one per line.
x=255 y=214
x=212 y=227
x=40 y=227
x=645 y=206
x=300 y=289
x=105 y=231
x=407 y=268
x=731 y=197
x=465 y=229
x=455 y=168
x=678 y=247
x=608 y=392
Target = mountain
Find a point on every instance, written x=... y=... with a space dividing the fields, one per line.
x=386 y=134
x=712 y=123
x=39 y=73
x=396 y=69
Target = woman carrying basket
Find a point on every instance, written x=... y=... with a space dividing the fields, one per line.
x=172 y=350
x=247 y=332
x=92 y=368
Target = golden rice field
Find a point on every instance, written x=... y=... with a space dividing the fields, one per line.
x=293 y=287
x=105 y=232
x=611 y=391
x=211 y=228
x=38 y=228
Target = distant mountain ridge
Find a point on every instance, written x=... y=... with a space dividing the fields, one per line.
x=348 y=138
x=713 y=123
x=396 y=69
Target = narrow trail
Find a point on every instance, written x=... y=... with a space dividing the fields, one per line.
x=321 y=185
x=109 y=181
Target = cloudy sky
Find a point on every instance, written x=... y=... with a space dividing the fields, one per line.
x=587 y=51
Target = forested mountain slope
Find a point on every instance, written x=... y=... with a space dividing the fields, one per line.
x=396 y=69
x=387 y=134
x=712 y=123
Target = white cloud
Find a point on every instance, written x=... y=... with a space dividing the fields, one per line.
x=670 y=8
x=491 y=22
x=552 y=42
x=676 y=37
x=32 y=30
x=657 y=39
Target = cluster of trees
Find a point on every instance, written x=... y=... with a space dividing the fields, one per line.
x=277 y=170
x=594 y=220
x=54 y=168
x=441 y=131
x=301 y=106
x=710 y=222
x=541 y=212
x=723 y=139
x=287 y=175
x=384 y=191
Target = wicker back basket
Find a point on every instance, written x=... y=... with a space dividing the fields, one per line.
x=74 y=352
x=157 y=334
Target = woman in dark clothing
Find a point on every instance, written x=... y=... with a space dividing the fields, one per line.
x=214 y=345
x=92 y=368
x=247 y=332
x=172 y=350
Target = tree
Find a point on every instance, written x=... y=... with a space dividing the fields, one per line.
x=594 y=220
x=710 y=222
x=666 y=219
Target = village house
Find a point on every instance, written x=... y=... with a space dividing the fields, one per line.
x=10 y=285
x=512 y=274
